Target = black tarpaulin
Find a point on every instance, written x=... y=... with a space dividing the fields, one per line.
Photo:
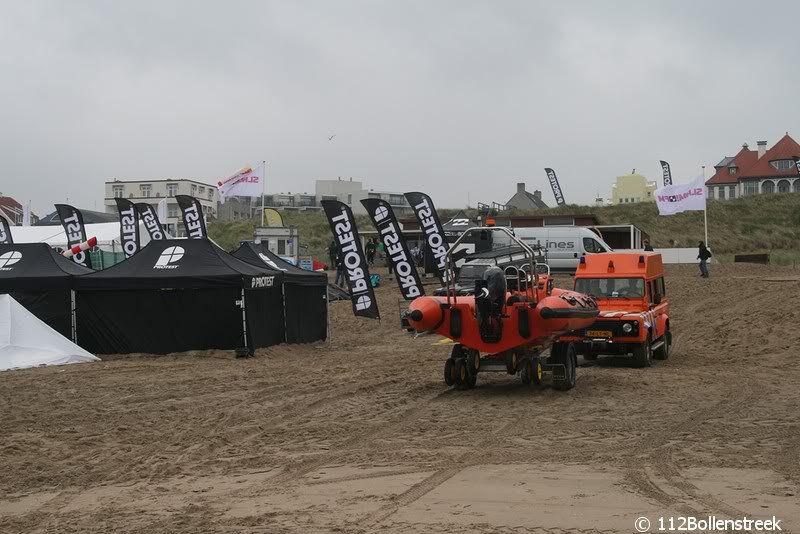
x=40 y=279
x=177 y=295
x=305 y=294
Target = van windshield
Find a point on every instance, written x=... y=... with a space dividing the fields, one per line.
x=611 y=287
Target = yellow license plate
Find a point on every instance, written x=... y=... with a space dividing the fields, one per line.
x=599 y=333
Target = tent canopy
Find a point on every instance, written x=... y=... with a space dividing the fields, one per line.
x=25 y=341
x=107 y=235
x=36 y=266
x=180 y=263
x=259 y=254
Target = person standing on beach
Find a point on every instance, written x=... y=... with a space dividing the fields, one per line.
x=339 y=262
x=703 y=254
x=332 y=250
x=371 y=248
x=647 y=246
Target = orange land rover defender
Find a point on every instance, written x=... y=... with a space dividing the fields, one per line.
x=634 y=312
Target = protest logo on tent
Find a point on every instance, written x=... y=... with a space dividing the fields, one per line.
x=169 y=255
x=262 y=281
x=269 y=262
x=9 y=258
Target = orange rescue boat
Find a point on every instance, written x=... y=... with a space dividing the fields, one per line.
x=513 y=317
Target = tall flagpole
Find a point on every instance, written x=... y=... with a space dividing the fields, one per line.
x=705 y=206
x=263 y=190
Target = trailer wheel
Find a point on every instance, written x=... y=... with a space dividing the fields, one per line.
x=525 y=371
x=512 y=362
x=662 y=353
x=564 y=354
x=537 y=371
x=450 y=371
x=461 y=372
x=474 y=361
x=643 y=354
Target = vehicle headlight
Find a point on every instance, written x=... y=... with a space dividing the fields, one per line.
x=627 y=328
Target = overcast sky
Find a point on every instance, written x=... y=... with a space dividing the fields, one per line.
x=456 y=98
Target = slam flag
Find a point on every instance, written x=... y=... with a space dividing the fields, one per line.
x=343 y=226
x=551 y=175
x=431 y=226
x=150 y=220
x=5 y=232
x=192 y=217
x=385 y=222
x=128 y=226
x=667 y=172
x=72 y=221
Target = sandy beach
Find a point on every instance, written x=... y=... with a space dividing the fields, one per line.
x=360 y=434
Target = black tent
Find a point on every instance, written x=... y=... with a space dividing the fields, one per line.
x=177 y=295
x=304 y=292
x=40 y=279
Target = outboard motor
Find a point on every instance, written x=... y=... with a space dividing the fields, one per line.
x=490 y=294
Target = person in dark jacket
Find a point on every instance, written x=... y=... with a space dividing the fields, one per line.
x=332 y=251
x=647 y=246
x=703 y=254
x=339 y=262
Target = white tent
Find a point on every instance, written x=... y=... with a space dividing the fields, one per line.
x=25 y=341
x=107 y=235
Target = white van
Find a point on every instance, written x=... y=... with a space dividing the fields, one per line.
x=564 y=245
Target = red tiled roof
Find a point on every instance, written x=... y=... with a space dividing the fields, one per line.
x=743 y=161
x=786 y=148
x=10 y=203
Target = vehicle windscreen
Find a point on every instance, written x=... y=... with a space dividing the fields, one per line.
x=611 y=287
x=471 y=272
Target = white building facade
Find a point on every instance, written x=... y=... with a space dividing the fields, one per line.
x=153 y=191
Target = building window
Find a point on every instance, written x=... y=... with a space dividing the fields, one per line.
x=782 y=164
x=210 y=193
x=201 y=190
x=796 y=186
x=172 y=211
x=721 y=193
x=119 y=191
x=732 y=191
x=194 y=189
x=767 y=187
x=750 y=188
x=397 y=200
x=172 y=190
x=784 y=186
x=731 y=170
x=145 y=188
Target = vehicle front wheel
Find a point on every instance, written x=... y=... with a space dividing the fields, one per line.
x=662 y=353
x=643 y=354
x=564 y=354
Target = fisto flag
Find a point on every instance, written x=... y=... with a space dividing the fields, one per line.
x=554 y=185
x=148 y=215
x=677 y=198
x=431 y=226
x=192 y=217
x=245 y=183
x=667 y=172
x=5 y=232
x=396 y=248
x=128 y=226
x=343 y=226
x=72 y=221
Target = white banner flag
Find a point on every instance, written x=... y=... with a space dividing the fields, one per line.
x=245 y=183
x=162 y=211
x=691 y=196
x=26 y=214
